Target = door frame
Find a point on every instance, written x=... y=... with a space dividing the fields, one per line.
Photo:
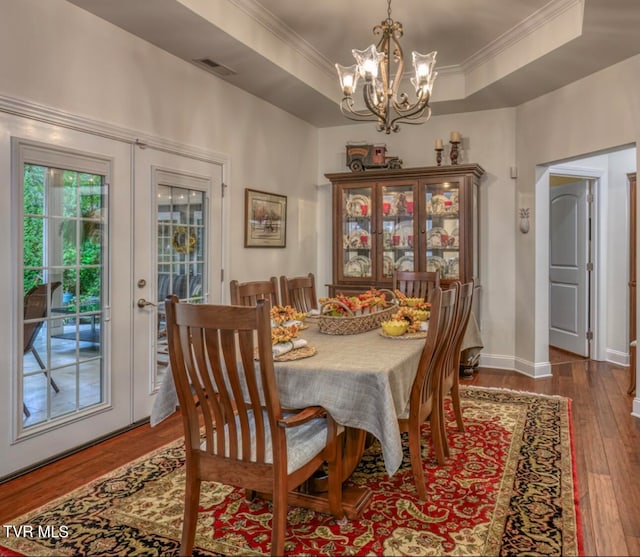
x=598 y=282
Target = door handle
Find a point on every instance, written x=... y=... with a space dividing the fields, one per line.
x=142 y=303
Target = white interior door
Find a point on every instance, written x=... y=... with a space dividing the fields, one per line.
x=568 y=274
x=178 y=250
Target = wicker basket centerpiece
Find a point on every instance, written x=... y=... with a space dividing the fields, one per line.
x=350 y=315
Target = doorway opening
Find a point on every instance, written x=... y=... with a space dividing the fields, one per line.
x=607 y=231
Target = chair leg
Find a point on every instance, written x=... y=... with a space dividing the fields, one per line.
x=415 y=453
x=279 y=521
x=42 y=366
x=190 y=521
x=455 y=398
x=437 y=434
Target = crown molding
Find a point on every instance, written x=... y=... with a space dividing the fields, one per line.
x=518 y=33
x=528 y=26
x=68 y=120
x=283 y=32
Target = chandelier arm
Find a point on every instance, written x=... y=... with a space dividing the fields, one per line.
x=403 y=107
x=412 y=119
x=346 y=107
x=398 y=58
x=373 y=108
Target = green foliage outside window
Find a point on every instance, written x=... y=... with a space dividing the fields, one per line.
x=81 y=252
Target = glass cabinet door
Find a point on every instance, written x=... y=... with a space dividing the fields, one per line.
x=357 y=232
x=398 y=229
x=442 y=228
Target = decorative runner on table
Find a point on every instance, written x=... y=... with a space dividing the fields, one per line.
x=508 y=488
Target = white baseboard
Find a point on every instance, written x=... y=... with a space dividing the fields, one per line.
x=498 y=361
x=618 y=358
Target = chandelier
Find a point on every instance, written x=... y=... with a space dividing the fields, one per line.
x=384 y=104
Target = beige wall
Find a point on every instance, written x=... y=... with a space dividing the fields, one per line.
x=597 y=113
x=55 y=54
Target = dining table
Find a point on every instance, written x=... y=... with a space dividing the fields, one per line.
x=363 y=380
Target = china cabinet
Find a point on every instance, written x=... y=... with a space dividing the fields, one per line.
x=409 y=219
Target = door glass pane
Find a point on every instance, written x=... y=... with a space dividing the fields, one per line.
x=443 y=229
x=356 y=230
x=397 y=229
x=181 y=255
x=63 y=282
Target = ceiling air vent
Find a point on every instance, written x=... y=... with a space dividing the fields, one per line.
x=214 y=67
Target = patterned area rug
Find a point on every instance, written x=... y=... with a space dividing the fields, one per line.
x=509 y=488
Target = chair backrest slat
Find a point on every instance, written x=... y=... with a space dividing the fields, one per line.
x=427 y=380
x=218 y=379
x=299 y=292
x=416 y=284
x=248 y=293
x=464 y=302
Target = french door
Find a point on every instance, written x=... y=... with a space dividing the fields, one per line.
x=94 y=248
x=178 y=247
x=67 y=380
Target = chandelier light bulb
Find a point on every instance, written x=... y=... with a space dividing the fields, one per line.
x=348 y=78
x=368 y=61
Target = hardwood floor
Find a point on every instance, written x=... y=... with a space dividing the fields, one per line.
x=606 y=436
x=607 y=447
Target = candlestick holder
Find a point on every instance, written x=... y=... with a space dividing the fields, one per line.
x=453 y=153
x=439 y=156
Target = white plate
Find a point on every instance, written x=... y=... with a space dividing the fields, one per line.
x=439 y=238
x=402 y=231
x=456 y=237
x=435 y=263
x=357 y=266
x=355 y=205
x=355 y=239
x=405 y=263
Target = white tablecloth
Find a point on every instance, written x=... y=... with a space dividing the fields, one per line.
x=363 y=381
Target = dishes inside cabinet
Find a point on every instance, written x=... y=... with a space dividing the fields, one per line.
x=405 y=263
x=402 y=204
x=358 y=205
x=359 y=238
x=438 y=203
x=387 y=266
x=358 y=266
x=453 y=268
x=439 y=238
x=403 y=235
x=456 y=237
x=436 y=263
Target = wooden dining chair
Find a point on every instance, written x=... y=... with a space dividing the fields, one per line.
x=451 y=370
x=299 y=292
x=248 y=293
x=247 y=440
x=416 y=284
x=36 y=304
x=423 y=399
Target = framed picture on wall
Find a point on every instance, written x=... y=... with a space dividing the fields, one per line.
x=265 y=219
